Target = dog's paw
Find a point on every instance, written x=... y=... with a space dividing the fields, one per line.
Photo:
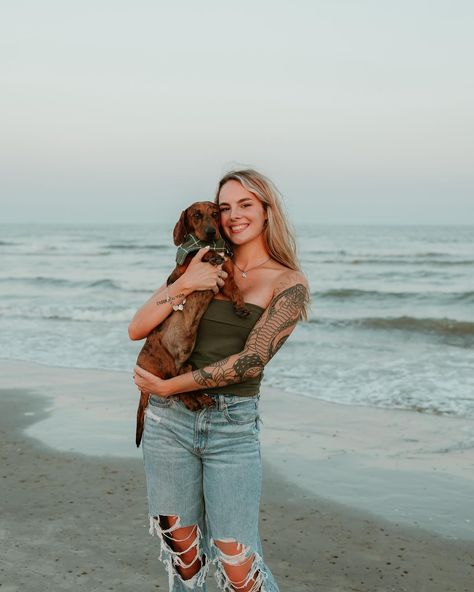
x=216 y=259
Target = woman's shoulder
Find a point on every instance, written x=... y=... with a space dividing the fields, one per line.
x=290 y=279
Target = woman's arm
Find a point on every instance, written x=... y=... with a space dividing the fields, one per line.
x=198 y=276
x=156 y=309
x=266 y=338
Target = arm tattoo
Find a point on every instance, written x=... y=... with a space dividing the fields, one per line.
x=266 y=338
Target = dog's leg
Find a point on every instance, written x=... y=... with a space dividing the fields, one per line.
x=157 y=360
x=195 y=400
x=232 y=292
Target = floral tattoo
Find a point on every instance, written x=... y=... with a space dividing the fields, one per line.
x=266 y=338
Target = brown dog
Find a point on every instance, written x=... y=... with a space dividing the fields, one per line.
x=169 y=345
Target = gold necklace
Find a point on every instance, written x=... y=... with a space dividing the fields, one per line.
x=245 y=272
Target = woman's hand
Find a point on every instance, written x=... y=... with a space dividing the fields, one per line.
x=202 y=275
x=150 y=383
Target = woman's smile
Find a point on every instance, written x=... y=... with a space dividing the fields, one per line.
x=238 y=228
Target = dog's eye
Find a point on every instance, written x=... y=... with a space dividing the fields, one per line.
x=197 y=215
x=215 y=215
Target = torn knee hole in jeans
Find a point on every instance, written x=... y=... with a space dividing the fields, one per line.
x=255 y=575
x=173 y=560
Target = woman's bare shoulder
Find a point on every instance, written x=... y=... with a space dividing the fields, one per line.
x=290 y=279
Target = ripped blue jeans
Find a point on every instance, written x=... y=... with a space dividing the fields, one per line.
x=205 y=468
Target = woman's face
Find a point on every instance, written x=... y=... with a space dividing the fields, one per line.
x=242 y=214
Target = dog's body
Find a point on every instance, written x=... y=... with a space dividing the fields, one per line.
x=169 y=345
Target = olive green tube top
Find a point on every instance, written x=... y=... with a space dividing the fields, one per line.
x=222 y=333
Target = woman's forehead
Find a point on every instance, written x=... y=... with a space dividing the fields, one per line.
x=234 y=192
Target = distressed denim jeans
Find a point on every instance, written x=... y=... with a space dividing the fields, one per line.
x=205 y=468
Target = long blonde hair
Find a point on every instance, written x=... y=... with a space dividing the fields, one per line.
x=278 y=233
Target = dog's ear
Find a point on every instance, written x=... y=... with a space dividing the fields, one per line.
x=181 y=229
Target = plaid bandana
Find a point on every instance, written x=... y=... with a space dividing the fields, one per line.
x=191 y=244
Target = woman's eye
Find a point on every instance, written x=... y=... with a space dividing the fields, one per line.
x=224 y=209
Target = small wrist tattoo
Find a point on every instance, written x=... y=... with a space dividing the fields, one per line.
x=168 y=298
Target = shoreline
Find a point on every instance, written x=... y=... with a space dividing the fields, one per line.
x=265 y=387
x=410 y=468
x=79 y=523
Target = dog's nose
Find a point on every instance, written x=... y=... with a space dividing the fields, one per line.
x=210 y=231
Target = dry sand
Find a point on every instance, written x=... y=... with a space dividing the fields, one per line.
x=73 y=521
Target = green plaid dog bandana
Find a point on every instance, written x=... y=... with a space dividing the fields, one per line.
x=192 y=243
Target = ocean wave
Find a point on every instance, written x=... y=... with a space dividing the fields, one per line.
x=77 y=315
x=105 y=283
x=442 y=326
x=424 y=259
x=39 y=279
x=93 y=316
x=135 y=247
x=61 y=282
x=355 y=293
x=56 y=253
x=409 y=261
x=346 y=293
x=325 y=252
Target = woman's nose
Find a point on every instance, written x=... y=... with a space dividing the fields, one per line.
x=234 y=214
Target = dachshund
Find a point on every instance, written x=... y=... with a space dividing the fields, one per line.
x=170 y=344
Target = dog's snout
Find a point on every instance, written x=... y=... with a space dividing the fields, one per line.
x=210 y=231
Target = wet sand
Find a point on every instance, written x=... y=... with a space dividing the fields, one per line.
x=72 y=521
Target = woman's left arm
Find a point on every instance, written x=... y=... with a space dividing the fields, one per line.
x=265 y=339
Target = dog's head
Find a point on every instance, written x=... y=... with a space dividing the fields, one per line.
x=200 y=219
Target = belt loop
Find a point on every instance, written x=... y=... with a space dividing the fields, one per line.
x=221 y=404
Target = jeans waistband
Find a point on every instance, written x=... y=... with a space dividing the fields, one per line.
x=222 y=401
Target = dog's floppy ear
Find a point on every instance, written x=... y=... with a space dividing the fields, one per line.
x=180 y=230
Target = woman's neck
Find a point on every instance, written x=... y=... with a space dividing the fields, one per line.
x=250 y=254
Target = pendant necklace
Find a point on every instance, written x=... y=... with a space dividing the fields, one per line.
x=244 y=273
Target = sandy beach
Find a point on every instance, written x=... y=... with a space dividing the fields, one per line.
x=354 y=499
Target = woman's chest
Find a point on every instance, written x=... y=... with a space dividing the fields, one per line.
x=257 y=287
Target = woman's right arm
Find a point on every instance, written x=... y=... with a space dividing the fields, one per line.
x=198 y=276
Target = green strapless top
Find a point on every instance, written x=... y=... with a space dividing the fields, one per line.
x=222 y=333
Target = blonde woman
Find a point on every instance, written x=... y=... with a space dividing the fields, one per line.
x=203 y=469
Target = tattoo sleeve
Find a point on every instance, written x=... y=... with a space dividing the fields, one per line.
x=266 y=338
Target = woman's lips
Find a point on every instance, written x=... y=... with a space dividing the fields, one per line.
x=238 y=228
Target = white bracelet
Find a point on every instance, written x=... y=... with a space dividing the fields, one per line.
x=175 y=306
x=179 y=306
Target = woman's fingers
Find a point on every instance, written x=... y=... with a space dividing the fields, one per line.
x=201 y=275
x=220 y=280
x=143 y=379
x=200 y=254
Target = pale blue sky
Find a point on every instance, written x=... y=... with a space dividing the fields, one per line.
x=361 y=111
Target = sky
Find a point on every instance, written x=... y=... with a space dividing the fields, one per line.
x=361 y=112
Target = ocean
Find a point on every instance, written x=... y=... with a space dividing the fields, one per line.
x=391 y=322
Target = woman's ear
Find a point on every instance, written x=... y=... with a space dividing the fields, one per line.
x=181 y=229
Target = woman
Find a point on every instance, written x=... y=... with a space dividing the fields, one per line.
x=203 y=468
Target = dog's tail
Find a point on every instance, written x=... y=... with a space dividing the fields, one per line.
x=140 y=418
